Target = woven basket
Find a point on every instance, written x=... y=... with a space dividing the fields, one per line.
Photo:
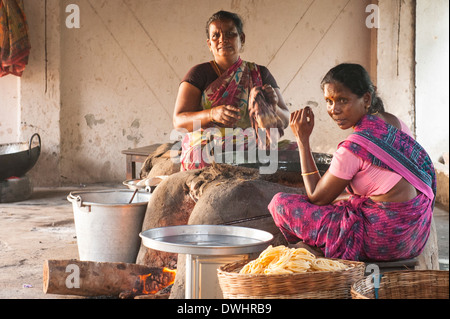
x=308 y=285
x=408 y=284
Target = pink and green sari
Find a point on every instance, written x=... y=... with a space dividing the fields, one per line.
x=360 y=228
x=231 y=88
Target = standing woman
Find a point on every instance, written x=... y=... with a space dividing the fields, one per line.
x=216 y=93
x=389 y=176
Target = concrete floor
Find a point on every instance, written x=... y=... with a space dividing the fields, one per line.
x=42 y=228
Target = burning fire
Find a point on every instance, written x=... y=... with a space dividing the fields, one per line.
x=152 y=283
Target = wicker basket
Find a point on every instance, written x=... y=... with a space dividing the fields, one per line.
x=308 y=285
x=408 y=284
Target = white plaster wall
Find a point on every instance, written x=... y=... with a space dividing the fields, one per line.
x=432 y=76
x=120 y=72
x=111 y=84
x=40 y=90
x=395 y=63
x=9 y=109
x=323 y=38
x=30 y=104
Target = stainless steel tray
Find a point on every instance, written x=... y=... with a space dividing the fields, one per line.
x=206 y=239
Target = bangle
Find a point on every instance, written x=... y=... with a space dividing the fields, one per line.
x=311 y=173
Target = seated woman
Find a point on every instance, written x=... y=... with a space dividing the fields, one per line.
x=216 y=93
x=389 y=177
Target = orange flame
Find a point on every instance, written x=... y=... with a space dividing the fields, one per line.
x=167 y=274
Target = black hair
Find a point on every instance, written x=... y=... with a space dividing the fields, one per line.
x=357 y=79
x=225 y=15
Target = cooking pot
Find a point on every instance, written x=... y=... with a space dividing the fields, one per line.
x=16 y=159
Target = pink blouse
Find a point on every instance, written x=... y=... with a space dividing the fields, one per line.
x=366 y=179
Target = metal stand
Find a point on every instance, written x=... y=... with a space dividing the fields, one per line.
x=217 y=244
x=188 y=281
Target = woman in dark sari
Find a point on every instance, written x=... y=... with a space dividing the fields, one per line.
x=216 y=94
x=389 y=178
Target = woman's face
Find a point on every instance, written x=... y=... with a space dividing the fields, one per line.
x=343 y=106
x=224 y=39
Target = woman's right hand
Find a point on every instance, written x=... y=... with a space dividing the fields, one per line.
x=225 y=115
x=302 y=124
x=189 y=111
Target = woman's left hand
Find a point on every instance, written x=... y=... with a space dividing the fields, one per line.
x=270 y=95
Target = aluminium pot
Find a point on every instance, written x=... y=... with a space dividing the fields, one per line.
x=108 y=225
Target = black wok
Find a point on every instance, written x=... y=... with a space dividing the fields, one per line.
x=288 y=161
x=18 y=158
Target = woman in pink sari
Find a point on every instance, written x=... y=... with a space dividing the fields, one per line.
x=216 y=94
x=389 y=178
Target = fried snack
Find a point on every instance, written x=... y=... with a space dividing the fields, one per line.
x=284 y=260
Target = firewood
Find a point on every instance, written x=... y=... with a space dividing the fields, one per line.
x=166 y=296
x=88 y=278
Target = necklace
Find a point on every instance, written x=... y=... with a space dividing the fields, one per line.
x=216 y=68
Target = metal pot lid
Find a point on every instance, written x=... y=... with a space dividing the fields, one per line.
x=206 y=239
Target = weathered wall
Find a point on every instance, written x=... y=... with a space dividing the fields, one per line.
x=40 y=89
x=111 y=84
x=31 y=104
x=396 y=62
x=432 y=77
x=120 y=72
x=9 y=115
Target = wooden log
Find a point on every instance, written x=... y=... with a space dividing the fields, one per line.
x=166 y=296
x=87 y=278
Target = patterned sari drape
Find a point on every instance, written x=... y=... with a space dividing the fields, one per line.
x=231 y=88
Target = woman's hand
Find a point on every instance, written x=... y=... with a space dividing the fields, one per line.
x=302 y=124
x=275 y=99
x=188 y=111
x=225 y=115
x=320 y=190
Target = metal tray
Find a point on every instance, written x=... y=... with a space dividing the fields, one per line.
x=206 y=239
